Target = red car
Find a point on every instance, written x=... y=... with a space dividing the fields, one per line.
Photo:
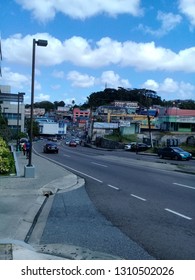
x=72 y=143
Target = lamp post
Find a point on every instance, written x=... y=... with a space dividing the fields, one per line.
x=29 y=171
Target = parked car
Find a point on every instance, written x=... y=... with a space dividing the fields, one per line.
x=174 y=153
x=72 y=143
x=140 y=147
x=127 y=146
x=136 y=147
x=50 y=148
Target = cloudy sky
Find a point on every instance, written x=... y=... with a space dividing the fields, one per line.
x=93 y=44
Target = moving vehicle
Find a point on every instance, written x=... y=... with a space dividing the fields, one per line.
x=67 y=141
x=72 y=143
x=174 y=153
x=77 y=140
x=50 y=148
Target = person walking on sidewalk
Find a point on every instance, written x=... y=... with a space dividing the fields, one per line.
x=27 y=149
x=24 y=148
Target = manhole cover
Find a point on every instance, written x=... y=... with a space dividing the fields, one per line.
x=6 y=252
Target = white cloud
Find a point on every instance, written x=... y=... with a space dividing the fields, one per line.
x=108 y=78
x=105 y=52
x=171 y=89
x=168 y=22
x=42 y=97
x=187 y=7
x=112 y=79
x=68 y=101
x=151 y=84
x=169 y=86
x=14 y=79
x=45 y=10
x=80 y=80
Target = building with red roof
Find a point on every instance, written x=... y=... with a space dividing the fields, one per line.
x=175 y=119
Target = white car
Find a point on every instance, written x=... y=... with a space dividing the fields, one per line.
x=67 y=141
x=127 y=146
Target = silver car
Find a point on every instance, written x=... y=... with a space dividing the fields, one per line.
x=128 y=146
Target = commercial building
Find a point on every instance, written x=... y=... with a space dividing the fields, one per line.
x=48 y=127
x=12 y=111
x=178 y=120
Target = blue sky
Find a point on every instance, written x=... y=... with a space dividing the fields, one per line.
x=97 y=43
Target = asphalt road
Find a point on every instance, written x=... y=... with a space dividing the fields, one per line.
x=152 y=206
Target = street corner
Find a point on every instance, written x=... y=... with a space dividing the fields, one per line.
x=66 y=183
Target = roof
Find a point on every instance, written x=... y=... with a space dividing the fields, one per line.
x=180 y=112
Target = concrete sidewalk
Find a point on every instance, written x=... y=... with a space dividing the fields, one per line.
x=21 y=201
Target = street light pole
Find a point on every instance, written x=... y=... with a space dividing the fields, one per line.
x=41 y=43
x=32 y=103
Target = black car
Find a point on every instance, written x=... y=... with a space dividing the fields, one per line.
x=139 y=147
x=50 y=148
x=174 y=153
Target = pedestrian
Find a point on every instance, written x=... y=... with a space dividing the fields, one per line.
x=27 y=149
x=137 y=148
x=24 y=148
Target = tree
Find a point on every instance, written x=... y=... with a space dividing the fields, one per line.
x=189 y=104
x=35 y=131
x=59 y=104
x=47 y=105
x=109 y=95
x=5 y=131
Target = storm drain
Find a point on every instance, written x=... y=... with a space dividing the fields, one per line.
x=6 y=252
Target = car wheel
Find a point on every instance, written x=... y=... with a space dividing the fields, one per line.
x=176 y=157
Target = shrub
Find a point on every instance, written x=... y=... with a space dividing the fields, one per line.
x=4 y=165
x=6 y=158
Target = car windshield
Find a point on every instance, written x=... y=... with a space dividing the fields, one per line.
x=178 y=149
x=51 y=144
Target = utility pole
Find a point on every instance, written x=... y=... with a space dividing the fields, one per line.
x=146 y=92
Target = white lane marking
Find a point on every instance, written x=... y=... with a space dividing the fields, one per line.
x=185 y=186
x=113 y=187
x=179 y=214
x=82 y=173
x=99 y=164
x=68 y=167
x=138 y=197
